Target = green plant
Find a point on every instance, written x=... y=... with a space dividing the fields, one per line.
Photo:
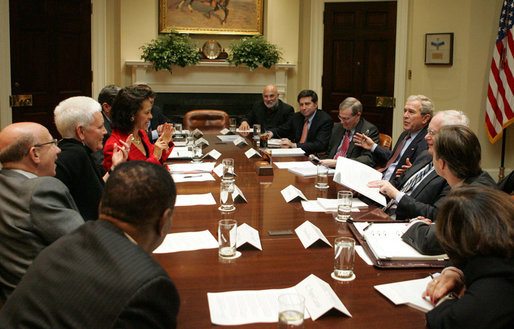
x=173 y=48
x=254 y=51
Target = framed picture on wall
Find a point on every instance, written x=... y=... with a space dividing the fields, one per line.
x=439 y=48
x=239 y=17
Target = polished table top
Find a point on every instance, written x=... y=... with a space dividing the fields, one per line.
x=284 y=261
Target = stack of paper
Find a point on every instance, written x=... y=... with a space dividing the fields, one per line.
x=407 y=292
x=287 y=152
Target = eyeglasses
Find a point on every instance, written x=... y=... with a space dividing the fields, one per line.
x=344 y=118
x=53 y=141
x=432 y=132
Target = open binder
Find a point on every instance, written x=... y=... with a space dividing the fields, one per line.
x=384 y=246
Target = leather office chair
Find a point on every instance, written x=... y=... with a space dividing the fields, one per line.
x=385 y=141
x=206 y=120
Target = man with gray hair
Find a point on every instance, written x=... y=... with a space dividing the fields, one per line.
x=420 y=190
x=35 y=210
x=417 y=113
x=341 y=142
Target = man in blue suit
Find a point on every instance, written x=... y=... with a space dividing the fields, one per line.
x=102 y=275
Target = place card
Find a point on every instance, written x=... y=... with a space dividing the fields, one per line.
x=309 y=233
x=238 y=195
x=291 y=193
x=212 y=154
x=240 y=141
x=218 y=170
x=201 y=141
x=197 y=133
x=226 y=131
x=247 y=234
x=252 y=153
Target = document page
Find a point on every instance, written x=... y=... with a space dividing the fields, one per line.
x=194 y=199
x=228 y=138
x=309 y=233
x=188 y=168
x=200 y=177
x=180 y=153
x=247 y=234
x=187 y=241
x=312 y=206
x=407 y=292
x=356 y=175
x=295 y=164
x=287 y=152
x=331 y=204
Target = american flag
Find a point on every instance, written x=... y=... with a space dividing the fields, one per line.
x=500 y=94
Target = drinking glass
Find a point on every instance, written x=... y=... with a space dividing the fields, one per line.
x=344 y=256
x=322 y=177
x=227 y=237
x=196 y=153
x=256 y=131
x=233 y=125
x=290 y=311
x=344 y=205
x=226 y=199
x=228 y=170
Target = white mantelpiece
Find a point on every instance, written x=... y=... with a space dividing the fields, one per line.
x=211 y=77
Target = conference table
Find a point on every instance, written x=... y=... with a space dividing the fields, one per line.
x=283 y=261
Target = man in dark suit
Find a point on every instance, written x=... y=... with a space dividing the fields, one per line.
x=457 y=156
x=341 y=142
x=102 y=275
x=270 y=113
x=35 y=209
x=417 y=113
x=308 y=129
x=420 y=190
x=158 y=118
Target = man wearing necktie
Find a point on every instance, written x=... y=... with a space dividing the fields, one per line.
x=417 y=113
x=420 y=190
x=341 y=142
x=308 y=129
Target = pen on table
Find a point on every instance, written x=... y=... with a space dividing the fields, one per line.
x=367 y=226
x=191 y=176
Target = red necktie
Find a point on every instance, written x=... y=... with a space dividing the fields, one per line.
x=304 y=131
x=396 y=153
x=344 y=147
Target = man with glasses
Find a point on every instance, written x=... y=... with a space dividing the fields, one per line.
x=341 y=142
x=35 y=209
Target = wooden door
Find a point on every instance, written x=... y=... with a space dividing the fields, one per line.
x=358 y=57
x=50 y=55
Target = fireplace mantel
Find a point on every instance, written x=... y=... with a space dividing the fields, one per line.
x=211 y=77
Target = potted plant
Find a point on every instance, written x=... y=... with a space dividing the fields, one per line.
x=254 y=51
x=174 y=48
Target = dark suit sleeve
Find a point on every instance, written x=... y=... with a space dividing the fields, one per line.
x=322 y=135
x=381 y=155
x=421 y=237
x=155 y=305
x=285 y=130
x=53 y=211
x=366 y=157
x=410 y=207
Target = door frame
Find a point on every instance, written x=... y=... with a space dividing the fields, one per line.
x=98 y=55
x=400 y=65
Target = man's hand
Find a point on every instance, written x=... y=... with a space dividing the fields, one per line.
x=404 y=168
x=329 y=162
x=385 y=188
x=286 y=143
x=244 y=126
x=363 y=141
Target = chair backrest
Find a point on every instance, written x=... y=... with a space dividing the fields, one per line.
x=385 y=141
x=206 y=120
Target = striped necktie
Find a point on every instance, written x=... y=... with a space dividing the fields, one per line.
x=304 y=131
x=344 y=147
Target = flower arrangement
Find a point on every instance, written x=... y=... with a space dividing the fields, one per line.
x=254 y=51
x=174 y=48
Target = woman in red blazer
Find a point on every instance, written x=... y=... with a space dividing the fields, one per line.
x=131 y=114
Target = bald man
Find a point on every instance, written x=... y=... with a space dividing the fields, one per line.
x=270 y=113
x=35 y=210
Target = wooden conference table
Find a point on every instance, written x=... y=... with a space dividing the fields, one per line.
x=283 y=262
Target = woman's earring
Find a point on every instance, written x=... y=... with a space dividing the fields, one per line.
x=132 y=119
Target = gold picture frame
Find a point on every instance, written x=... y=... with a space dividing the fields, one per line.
x=236 y=17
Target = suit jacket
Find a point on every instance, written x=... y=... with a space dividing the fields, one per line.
x=356 y=153
x=426 y=197
x=279 y=115
x=34 y=212
x=421 y=236
x=317 y=136
x=381 y=155
x=97 y=278
x=487 y=302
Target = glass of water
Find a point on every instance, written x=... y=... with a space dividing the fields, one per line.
x=196 y=153
x=228 y=170
x=226 y=198
x=227 y=237
x=344 y=205
x=233 y=125
x=344 y=256
x=322 y=177
x=290 y=311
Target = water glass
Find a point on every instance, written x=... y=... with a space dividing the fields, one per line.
x=256 y=131
x=196 y=153
x=178 y=129
x=228 y=170
x=344 y=205
x=290 y=311
x=226 y=198
x=227 y=237
x=322 y=177
x=344 y=257
x=233 y=125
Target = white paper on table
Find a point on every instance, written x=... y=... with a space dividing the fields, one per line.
x=287 y=152
x=249 y=130
x=252 y=153
x=194 y=168
x=407 y=292
x=291 y=193
x=187 y=241
x=294 y=164
x=247 y=234
x=319 y=297
x=227 y=138
x=180 y=153
x=309 y=172
x=312 y=206
x=180 y=143
x=212 y=154
x=356 y=175
x=274 y=142
x=194 y=199
x=331 y=204
x=309 y=233
x=363 y=255
x=238 y=195
x=201 y=141
x=239 y=141
x=201 y=177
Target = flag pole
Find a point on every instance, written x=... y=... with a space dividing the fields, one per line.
x=501 y=173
